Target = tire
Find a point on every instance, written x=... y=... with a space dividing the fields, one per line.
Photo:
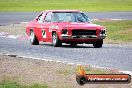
x=33 y=38
x=56 y=41
x=98 y=44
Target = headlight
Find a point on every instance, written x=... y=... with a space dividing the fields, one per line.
x=64 y=31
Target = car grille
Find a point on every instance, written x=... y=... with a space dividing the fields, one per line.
x=83 y=32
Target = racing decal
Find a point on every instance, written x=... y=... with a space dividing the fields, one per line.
x=55 y=27
x=50 y=30
x=44 y=33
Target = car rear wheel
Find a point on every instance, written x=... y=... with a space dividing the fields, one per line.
x=98 y=44
x=55 y=40
x=33 y=38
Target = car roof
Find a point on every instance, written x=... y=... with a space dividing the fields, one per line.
x=61 y=11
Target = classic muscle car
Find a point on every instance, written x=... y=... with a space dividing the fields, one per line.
x=65 y=26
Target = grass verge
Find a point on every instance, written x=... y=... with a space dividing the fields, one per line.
x=10 y=84
x=69 y=70
x=117 y=31
x=84 y=5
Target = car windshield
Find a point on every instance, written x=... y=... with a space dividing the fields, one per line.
x=69 y=17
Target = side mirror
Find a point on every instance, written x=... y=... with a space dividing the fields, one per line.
x=92 y=20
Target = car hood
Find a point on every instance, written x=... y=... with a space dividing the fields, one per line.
x=77 y=25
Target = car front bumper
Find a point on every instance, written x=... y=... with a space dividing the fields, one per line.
x=65 y=36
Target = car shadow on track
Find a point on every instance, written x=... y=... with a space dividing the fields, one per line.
x=67 y=46
x=78 y=46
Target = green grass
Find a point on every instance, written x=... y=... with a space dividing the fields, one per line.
x=118 y=30
x=84 y=5
x=91 y=70
x=67 y=70
x=98 y=71
x=9 y=84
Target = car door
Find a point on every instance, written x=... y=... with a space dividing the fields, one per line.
x=47 y=27
x=39 y=25
x=43 y=26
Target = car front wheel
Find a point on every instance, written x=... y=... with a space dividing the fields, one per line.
x=55 y=40
x=98 y=44
x=33 y=38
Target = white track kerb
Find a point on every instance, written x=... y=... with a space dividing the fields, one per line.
x=49 y=60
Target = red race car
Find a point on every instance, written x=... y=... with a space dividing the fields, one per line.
x=65 y=26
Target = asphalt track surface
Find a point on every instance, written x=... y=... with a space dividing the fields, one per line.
x=111 y=56
x=17 y=17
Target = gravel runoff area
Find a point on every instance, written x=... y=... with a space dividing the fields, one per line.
x=55 y=75
x=15 y=29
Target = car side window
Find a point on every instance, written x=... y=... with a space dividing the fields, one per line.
x=41 y=18
x=48 y=18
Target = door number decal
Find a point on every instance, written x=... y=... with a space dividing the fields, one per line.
x=44 y=33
